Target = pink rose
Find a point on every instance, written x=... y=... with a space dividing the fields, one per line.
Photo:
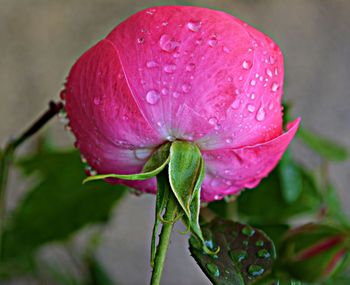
x=181 y=73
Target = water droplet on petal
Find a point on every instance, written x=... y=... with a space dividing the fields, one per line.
x=240 y=78
x=274 y=87
x=97 y=100
x=253 y=82
x=213 y=121
x=190 y=67
x=251 y=108
x=176 y=94
x=226 y=49
x=269 y=72
x=186 y=88
x=151 y=64
x=236 y=104
x=142 y=153
x=167 y=43
x=164 y=91
x=246 y=64
x=229 y=140
x=152 y=97
x=272 y=59
x=255 y=270
x=260 y=115
x=213 y=42
x=171 y=138
x=271 y=106
x=252 y=96
x=213 y=269
x=170 y=68
x=140 y=40
x=194 y=26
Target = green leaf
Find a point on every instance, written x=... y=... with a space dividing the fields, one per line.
x=154 y=166
x=97 y=274
x=323 y=146
x=195 y=209
x=158 y=158
x=266 y=205
x=58 y=205
x=291 y=178
x=184 y=170
x=246 y=254
x=334 y=207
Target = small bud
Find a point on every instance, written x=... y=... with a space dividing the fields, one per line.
x=314 y=252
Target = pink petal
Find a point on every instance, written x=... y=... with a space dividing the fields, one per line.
x=209 y=61
x=111 y=132
x=230 y=170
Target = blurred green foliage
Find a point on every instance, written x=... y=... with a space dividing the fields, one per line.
x=56 y=207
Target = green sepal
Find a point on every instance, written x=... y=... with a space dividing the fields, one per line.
x=154 y=166
x=184 y=171
x=163 y=191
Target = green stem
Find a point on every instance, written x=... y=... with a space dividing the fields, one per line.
x=164 y=238
x=8 y=154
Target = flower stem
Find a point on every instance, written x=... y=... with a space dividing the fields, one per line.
x=164 y=238
x=6 y=156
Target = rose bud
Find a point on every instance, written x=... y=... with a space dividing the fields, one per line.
x=313 y=252
x=186 y=74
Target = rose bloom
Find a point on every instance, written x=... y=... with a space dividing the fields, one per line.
x=181 y=73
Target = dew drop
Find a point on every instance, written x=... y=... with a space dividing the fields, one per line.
x=142 y=153
x=251 y=108
x=236 y=104
x=170 y=68
x=164 y=91
x=272 y=59
x=271 y=106
x=255 y=270
x=260 y=243
x=213 y=269
x=226 y=49
x=248 y=231
x=229 y=140
x=253 y=82
x=213 y=121
x=140 y=40
x=151 y=64
x=186 y=88
x=152 y=97
x=167 y=43
x=190 y=67
x=246 y=64
x=274 y=87
x=269 y=72
x=240 y=78
x=264 y=253
x=252 y=96
x=171 y=138
x=194 y=26
x=97 y=100
x=260 y=115
x=238 y=255
x=212 y=42
x=176 y=94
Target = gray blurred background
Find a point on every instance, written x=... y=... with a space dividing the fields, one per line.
x=41 y=39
